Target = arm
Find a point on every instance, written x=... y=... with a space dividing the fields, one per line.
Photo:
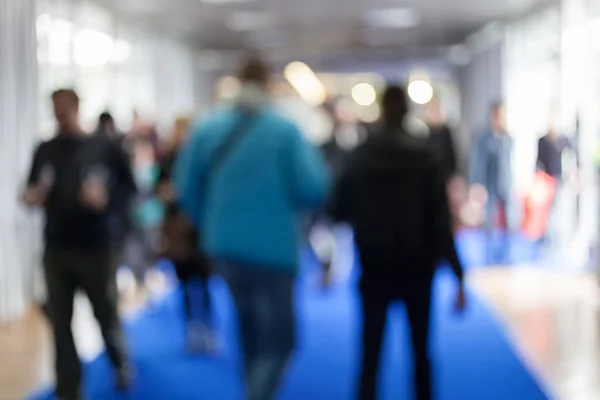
x=539 y=163
x=340 y=207
x=36 y=166
x=441 y=223
x=308 y=174
x=571 y=144
x=164 y=188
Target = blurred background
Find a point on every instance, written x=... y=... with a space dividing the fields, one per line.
x=150 y=62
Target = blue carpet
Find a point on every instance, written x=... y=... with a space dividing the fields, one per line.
x=473 y=360
x=471 y=244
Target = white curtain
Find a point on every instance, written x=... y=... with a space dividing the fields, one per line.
x=114 y=64
x=19 y=232
x=47 y=44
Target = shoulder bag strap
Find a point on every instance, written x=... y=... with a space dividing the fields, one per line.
x=229 y=143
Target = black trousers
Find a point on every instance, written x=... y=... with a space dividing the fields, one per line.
x=67 y=271
x=376 y=297
x=186 y=271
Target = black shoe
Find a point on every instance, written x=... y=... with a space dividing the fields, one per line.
x=70 y=394
x=73 y=397
x=123 y=378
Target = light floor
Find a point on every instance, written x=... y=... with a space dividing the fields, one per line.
x=553 y=317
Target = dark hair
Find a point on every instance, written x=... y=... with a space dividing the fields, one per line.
x=496 y=106
x=394 y=104
x=70 y=93
x=255 y=70
x=105 y=118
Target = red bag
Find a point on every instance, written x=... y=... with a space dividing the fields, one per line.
x=538 y=204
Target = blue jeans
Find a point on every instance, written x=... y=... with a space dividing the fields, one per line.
x=264 y=299
x=499 y=252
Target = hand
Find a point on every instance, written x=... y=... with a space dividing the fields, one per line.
x=460 y=303
x=166 y=192
x=94 y=195
x=35 y=195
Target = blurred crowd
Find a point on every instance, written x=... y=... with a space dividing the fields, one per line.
x=230 y=194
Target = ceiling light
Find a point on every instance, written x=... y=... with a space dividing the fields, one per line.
x=420 y=91
x=249 y=21
x=306 y=83
x=364 y=94
x=393 y=17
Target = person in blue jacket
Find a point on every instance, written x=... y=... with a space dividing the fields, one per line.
x=491 y=168
x=249 y=208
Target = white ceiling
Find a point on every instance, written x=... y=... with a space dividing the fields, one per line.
x=318 y=27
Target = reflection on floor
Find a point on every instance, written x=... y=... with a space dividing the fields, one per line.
x=555 y=322
x=553 y=318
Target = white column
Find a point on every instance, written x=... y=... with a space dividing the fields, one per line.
x=19 y=235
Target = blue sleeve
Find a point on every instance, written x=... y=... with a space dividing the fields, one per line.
x=308 y=174
x=187 y=174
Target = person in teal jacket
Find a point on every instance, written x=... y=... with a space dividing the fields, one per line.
x=250 y=217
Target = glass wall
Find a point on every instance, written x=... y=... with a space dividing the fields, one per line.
x=114 y=65
x=551 y=61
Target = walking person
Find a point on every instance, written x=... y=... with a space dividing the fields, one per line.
x=322 y=237
x=393 y=195
x=181 y=247
x=79 y=181
x=551 y=148
x=146 y=216
x=107 y=127
x=441 y=141
x=247 y=178
x=491 y=168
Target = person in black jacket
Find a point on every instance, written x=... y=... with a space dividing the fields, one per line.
x=551 y=148
x=189 y=262
x=441 y=141
x=80 y=181
x=393 y=195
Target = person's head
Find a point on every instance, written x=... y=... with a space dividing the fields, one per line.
x=498 y=117
x=143 y=153
x=433 y=113
x=394 y=105
x=106 y=124
x=66 y=110
x=254 y=71
x=554 y=123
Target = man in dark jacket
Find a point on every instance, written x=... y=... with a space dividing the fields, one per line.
x=551 y=148
x=393 y=195
x=80 y=182
x=441 y=141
